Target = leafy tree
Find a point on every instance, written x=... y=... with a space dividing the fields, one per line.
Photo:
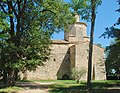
x=77 y=73
x=83 y=7
x=113 y=59
x=25 y=30
x=113 y=51
x=87 y=9
x=113 y=31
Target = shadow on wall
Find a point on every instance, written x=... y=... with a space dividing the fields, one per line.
x=64 y=71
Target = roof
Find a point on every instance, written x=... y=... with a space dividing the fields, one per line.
x=81 y=23
x=99 y=46
x=72 y=42
x=59 y=42
x=67 y=42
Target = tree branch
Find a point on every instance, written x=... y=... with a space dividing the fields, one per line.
x=13 y=8
x=22 y=15
x=44 y=10
x=2 y=32
x=11 y=18
x=3 y=8
x=25 y=1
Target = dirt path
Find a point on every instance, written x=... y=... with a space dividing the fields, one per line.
x=34 y=91
x=34 y=87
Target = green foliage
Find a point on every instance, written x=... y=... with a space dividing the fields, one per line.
x=113 y=51
x=3 y=24
x=29 y=45
x=113 y=59
x=77 y=4
x=25 y=30
x=84 y=7
x=10 y=89
x=78 y=73
x=113 y=31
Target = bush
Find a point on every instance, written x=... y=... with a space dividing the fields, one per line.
x=77 y=73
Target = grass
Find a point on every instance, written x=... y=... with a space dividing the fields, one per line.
x=65 y=86
x=98 y=87
x=70 y=86
x=4 y=89
x=10 y=89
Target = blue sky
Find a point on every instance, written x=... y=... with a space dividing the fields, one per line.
x=106 y=17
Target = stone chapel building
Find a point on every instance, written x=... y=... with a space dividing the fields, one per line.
x=70 y=53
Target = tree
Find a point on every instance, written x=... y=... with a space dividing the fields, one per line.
x=87 y=9
x=113 y=59
x=77 y=73
x=25 y=30
x=113 y=51
x=93 y=16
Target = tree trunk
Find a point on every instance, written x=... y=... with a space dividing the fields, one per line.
x=25 y=75
x=10 y=78
x=91 y=45
x=11 y=18
x=17 y=77
x=5 y=77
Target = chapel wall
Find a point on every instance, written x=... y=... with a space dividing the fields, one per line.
x=57 y=66
x=99 y=63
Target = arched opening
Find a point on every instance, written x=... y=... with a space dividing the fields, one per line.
x=65 y=77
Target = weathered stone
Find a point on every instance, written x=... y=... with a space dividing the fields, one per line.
x=70 y=53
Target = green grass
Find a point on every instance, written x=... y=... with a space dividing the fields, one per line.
x=10 y=89
x=70 y=86
x=98 y=87
x=66 y=86
x=106 y=83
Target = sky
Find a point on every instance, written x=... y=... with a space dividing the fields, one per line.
x=106 y=17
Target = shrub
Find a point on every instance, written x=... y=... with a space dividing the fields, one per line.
x=77 y=73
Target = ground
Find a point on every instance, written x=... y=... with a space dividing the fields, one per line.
x=34 y=87
x=63 y=86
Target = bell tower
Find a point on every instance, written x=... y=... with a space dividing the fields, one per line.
x=76 y=31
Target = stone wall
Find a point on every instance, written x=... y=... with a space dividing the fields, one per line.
x=76 y=32
x=56 y=67
x=82 y=57
x=99 y=63
x=64 y=57
x=72 y=56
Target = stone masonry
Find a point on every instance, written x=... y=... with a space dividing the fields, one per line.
x=70 y=53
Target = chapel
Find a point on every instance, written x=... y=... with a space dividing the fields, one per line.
x=72 y=52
